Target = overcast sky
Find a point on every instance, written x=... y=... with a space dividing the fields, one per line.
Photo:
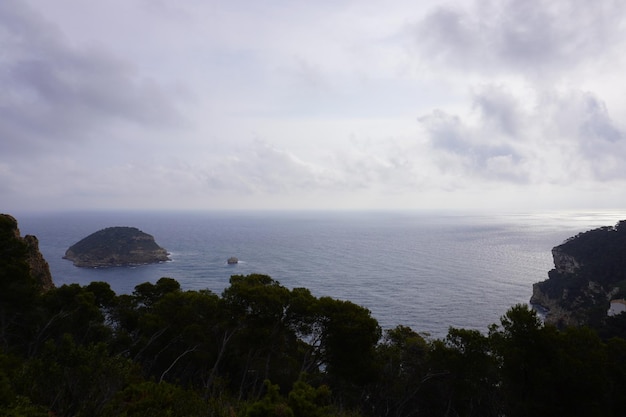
x=342 y=104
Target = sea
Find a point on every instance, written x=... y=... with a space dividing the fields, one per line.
x=426 y=270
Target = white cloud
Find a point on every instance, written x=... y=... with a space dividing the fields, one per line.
x=564 y=138
x=533 y=38
x=55 y=93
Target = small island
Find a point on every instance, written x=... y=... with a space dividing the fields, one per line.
x=116 y=246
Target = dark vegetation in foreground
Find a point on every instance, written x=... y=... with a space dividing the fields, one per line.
x=261 y=349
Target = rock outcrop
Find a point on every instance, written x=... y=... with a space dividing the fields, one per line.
x=116 y=246
x=564 y=263
x=15 y=249
x=589 y=271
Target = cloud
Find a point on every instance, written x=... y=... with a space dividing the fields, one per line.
x=266 y=169
x=532 y=38
x=499 y=110
x=598 y=139
x=564 y=137
x=56 y=93
x=469 y=150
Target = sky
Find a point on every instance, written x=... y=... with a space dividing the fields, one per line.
x=291 y=105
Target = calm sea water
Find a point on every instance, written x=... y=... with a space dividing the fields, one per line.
x=424 y=270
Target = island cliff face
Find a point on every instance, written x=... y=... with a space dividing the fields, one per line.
x=116 y=246
x=14 y=247
x=589 y=271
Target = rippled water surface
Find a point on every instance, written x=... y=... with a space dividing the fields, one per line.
x=424 y=270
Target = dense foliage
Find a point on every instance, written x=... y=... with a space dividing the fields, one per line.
x=600 y=253
x=261 y=349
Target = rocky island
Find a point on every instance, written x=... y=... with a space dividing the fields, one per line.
x=116 y=246
x=589 y=274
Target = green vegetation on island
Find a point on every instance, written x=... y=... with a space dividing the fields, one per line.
x=116 y=246
x=260 y=349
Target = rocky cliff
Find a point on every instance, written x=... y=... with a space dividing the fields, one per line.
x=15 y=249
x=116 y=246
x=589 y=271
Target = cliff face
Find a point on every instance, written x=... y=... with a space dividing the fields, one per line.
x=39 y=268
x=564 y=263
x=589 y=271
x=116 y=246
x=15 y=248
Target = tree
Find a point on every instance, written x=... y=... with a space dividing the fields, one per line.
x=175 y=335
x=71 y=379
x=264 y=344
x=72 y=309
x=348 y=337
x=547 y=372
x=181 y=334
x=526 y=349
x=582 y=372
x=465 y=375
x=402 y=370
x=147 y=293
